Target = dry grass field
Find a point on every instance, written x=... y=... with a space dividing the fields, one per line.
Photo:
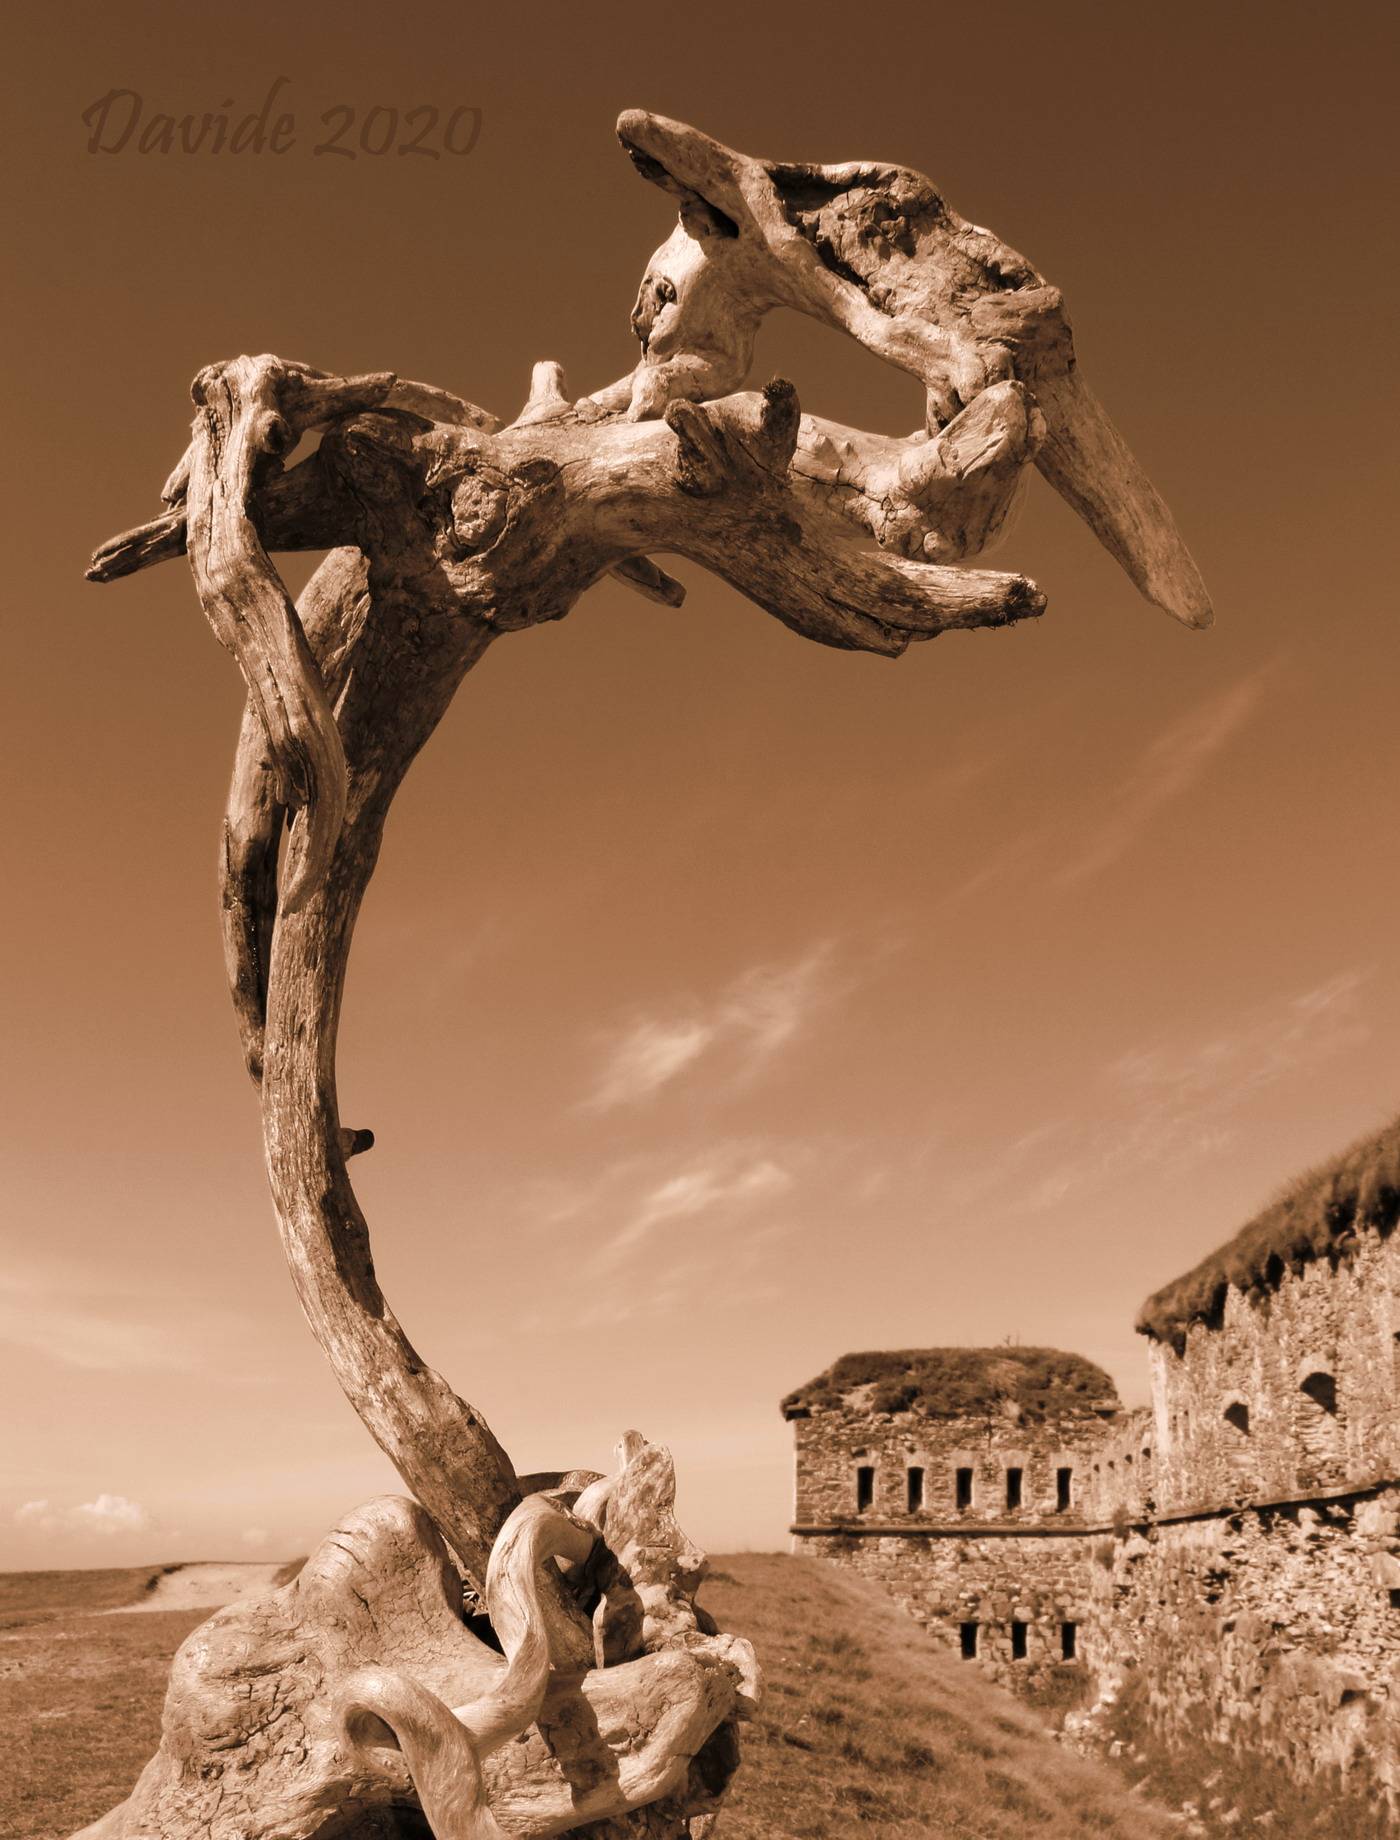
x=866 y=1724
x=80 y=1694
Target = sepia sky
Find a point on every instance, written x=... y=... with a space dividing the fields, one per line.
x=722 y=1002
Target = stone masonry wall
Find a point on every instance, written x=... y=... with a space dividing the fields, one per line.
x=1122 y=1479
x=832 y=1444
x=988 y=1563
x=1293 y=1393
x=1260 y=1602
x=992 y=1582
x=1275 y=1630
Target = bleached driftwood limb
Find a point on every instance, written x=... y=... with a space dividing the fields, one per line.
x=250 y=412
x=877 y=251
x=287 y=517
x=447 y=529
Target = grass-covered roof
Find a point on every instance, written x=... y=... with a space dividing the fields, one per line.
x=1316 y=1216
x=960 y=1382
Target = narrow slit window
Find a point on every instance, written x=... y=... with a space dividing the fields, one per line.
x=1013 y=1488
x=1064 y=1490
x=1318 y=1427
x=915 y=1495
x=962 y=1490
x=865 y=1487
x=1069 y=1641
x=967 y=1640
x=1019 y=1633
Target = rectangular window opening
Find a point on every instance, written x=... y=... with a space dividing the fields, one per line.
x=865 y=1487
x=967 y=1636
x=1069 y=1641
x=962 y=1483
x=916 y=1489
x=1013 y=1488
x=1395 y=1599
x=1064 y=1483
x=1019 y=1633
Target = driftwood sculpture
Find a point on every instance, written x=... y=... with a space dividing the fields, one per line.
x=588 y=1692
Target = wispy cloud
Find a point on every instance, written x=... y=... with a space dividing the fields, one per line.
x=1265 y=1047
x=1169 y=767
x=1173 y=1105
x=648 y=1056
x=718 y=1186
x=103 y=1335
x=735 y=1247
x=106 y=1515
x=108 y=1322
x=753 y=1019
x=769 y=1006
x=1166 y=770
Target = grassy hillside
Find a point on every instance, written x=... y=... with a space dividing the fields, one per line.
x=865 y=1723
x=35 y=1597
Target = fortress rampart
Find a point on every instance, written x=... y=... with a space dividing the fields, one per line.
x=1235 y=1547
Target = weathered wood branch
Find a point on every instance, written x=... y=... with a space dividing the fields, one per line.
x=934 y=498
x=453 y=523
x=877 y=252
x=788 y=551
x=331 y=612
x=250 y=410
x=289 y=511
x=292 y=510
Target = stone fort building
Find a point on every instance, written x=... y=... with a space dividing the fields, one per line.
x=1236 y=1545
